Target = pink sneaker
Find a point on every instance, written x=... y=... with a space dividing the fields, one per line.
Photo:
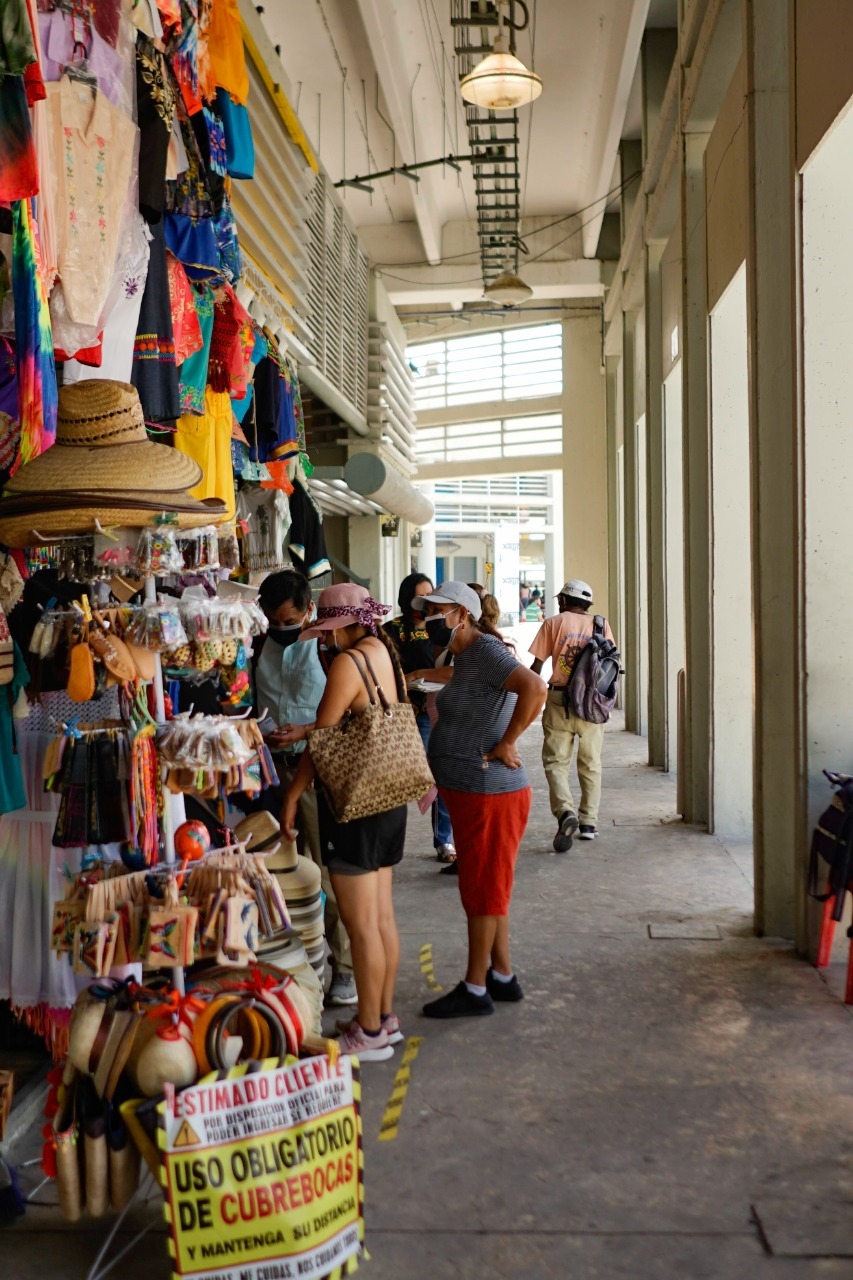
x=367 y=1048
x=391 y=1026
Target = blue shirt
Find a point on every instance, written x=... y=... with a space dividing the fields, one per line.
x=474 y=711
x=289 y=682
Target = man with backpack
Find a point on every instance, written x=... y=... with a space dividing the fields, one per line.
x=581 y=695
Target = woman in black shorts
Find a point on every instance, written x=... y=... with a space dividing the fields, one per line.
x=359 y=855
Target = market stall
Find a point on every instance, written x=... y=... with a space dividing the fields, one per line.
x=152 y=465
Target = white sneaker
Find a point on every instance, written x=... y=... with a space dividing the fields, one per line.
x=342 y=990
x=367 y=1048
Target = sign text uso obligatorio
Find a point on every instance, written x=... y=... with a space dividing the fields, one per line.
x=265 y=1166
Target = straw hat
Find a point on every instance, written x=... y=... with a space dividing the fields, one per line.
x=102 y=453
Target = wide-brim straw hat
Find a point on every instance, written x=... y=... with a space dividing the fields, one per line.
x=102 y=467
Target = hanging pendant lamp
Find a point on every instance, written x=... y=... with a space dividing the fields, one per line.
x=501 y=82
x=509 y=290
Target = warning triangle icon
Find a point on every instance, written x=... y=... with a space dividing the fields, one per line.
x=187 y=1136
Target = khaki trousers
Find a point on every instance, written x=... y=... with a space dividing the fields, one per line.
x=557 y=751
x=309 y=845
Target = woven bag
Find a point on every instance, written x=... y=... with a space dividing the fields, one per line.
x=374 y=760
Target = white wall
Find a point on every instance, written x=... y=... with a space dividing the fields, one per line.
x=733 y=681
x=674 y=554
x=827 y=232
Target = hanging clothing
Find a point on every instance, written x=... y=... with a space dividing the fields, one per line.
x=10 y=423
x=12 y=793
x=122 y=309
x=265 y=516
x=259 y=350
x=58 y=33
x=33 y=80
x=187 y=330
x=154 y=373
x=193 y=379
x=37 y=393
x=17 y=50
x=239 y=144
x=190 y=195
x=19 y=175
x=231 y=345
x=227 y=243
x=31 y=869
x=207 y=439
x=155 y=102
x=307 y=539
x=92 y=149
x=193 y=242
x=227 y=55
x=106 y=15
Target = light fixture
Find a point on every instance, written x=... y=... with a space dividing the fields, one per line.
x=509 y=289
x=501 y=82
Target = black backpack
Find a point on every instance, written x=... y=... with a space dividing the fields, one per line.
x=832 y=842
x=594 y=682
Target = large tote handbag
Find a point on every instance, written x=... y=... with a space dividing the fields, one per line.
x=374 y=760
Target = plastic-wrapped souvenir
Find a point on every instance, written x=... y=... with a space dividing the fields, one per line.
x=158 y=551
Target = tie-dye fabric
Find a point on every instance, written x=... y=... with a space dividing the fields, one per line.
x=33 y=339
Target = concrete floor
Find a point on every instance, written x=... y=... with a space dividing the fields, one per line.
x=660 y=1108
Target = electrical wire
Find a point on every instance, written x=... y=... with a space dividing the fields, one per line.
x=381 y=266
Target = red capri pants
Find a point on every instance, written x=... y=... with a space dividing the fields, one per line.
x=487 y=831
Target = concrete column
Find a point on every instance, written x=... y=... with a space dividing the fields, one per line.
x=584 y=455
x=366 y=553
x=780 y=800
x=631 y=641
x=426 y=551
x=697 y=485
x=614 y=550
x=655 y=513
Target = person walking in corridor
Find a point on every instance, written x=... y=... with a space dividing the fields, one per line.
x=474 y=757
x=563 y=639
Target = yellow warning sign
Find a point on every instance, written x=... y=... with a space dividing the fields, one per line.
x=187 y=1136
x=263 y=1173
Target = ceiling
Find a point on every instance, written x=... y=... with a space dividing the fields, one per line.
x=374 y=83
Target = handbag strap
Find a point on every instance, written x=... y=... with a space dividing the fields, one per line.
x=386 y=706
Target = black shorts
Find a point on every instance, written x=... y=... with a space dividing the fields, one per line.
x=368 y=844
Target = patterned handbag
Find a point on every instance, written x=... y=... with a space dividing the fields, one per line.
x=374 y=760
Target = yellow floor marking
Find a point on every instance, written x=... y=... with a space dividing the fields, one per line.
x=391 y=1119
x=427 y=967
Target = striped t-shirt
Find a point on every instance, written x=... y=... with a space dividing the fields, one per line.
x=474 y=710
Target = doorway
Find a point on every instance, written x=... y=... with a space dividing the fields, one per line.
x=732 y=644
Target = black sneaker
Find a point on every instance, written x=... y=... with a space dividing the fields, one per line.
x=452 y=869
x=587 y=833
x=459 y=1003
x=566 y=829
x=506 y=992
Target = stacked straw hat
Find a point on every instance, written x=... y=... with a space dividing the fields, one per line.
x=102 y=468
x=298 y=878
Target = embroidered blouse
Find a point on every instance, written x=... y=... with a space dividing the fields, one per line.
x=91 y=151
